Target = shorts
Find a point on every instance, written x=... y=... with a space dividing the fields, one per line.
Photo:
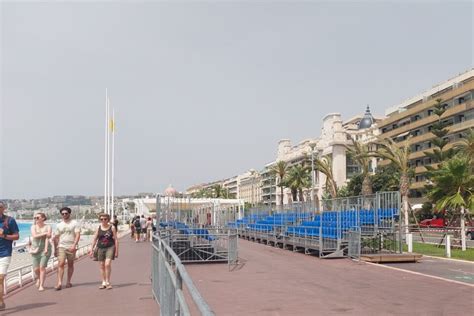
x=106 y=253
x=138 y=230
x=63 y=254
x=40 y=260
x=4 y=264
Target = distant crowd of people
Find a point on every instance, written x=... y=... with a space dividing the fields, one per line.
x=142 y=228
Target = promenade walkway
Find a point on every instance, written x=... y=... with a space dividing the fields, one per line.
x=272 y=281
x=131 y=294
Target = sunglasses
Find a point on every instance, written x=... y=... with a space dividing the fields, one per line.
x=38 y=217
x=64 y=213
x=104 y=219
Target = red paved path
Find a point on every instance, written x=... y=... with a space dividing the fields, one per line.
x=131 y=294
x=275 y=282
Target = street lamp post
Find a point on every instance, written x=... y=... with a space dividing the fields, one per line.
x=312 y=145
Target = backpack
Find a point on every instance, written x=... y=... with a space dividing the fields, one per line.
x=137 y=223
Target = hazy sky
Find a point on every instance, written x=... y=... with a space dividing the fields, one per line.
x=201 y=90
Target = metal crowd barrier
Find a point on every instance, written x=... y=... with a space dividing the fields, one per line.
x=170 y=281
x=202 y=244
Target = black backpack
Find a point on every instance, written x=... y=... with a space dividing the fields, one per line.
x=137 y=223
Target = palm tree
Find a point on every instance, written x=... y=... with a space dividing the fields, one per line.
x=298 y=178
x=219 y=191
x=440 y=130
x=280 y=169
x=399 y=156
x=453 y=188
x=324 y=165
x=467 y=146
x=360 y=153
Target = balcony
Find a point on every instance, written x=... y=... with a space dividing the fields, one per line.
x=424 y=106
x=430 y=119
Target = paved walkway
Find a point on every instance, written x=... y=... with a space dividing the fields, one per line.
x=454 y=270
x=131 y=294
x=272 y=281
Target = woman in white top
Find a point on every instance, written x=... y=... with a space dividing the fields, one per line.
x=40 y=248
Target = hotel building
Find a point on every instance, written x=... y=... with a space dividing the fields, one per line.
x=415 y=117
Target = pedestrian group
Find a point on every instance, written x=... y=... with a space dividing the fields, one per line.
x=63 y=244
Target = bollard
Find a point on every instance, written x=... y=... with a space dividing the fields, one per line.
x=410 y=242
x=448 y=246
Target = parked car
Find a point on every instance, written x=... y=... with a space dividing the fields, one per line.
x=441 y=223
x=433 y=222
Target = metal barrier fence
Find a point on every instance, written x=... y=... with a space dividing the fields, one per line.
x=327 y=232
x=170 y=281
x=202 y=244
x=438 y=235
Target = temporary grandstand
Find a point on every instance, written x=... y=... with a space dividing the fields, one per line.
x=345 y=227
x=194 y=228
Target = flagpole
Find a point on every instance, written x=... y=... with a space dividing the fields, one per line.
x=113 y=159
x=106 y=149
x=108 y=155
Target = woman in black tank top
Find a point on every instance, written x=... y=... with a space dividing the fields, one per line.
x=105 y=249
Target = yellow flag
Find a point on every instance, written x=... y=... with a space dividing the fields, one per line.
x=112 y=125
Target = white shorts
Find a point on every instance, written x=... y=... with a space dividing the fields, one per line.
x=4 y=264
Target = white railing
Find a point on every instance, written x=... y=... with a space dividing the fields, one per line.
x=17 y=277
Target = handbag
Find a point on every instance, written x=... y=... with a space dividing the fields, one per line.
x=32 y=250
x=95 y=255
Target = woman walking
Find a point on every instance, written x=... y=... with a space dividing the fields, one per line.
x=40 y=249
x=105 y=248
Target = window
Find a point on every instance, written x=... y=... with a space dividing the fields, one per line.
x=418 y=163
x=416 y=132
x=384 y=130
x=461 y=100
x=418 y=147
x=430 y=112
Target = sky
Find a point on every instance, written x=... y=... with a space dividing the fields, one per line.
x=202 y=90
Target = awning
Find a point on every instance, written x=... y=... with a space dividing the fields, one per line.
x=403 y=134
x=405 y=120
x=416 y=207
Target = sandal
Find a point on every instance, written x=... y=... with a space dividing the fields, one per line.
x=68 y=285
x=58 y=288
x=109 y=287
x=103 y=286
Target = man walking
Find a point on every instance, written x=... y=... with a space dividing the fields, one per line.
x=8 y=233
x=66 y=239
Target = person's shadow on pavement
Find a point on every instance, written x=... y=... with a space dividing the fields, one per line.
x=21 y=308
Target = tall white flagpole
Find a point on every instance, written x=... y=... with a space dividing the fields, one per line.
x=113 y=159
x=108 y=156
x=106 y=148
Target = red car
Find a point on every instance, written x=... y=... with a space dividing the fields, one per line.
x=433 y=222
